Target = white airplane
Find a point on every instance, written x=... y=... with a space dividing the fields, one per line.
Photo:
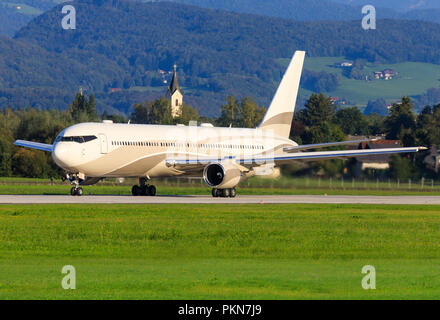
x=89 y=152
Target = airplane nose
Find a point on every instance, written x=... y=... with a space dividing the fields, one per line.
x=62 y=155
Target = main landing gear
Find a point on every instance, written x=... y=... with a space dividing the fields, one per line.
x=224 y=193
x=143 y=189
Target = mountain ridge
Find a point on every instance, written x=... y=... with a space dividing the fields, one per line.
x=313 y=10
x=218 y=53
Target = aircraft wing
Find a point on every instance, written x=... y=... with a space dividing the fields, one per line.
x=34 y=145
x=329 y=144
x=321 y=155
x=285 y=158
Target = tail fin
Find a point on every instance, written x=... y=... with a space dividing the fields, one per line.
x=279 y=116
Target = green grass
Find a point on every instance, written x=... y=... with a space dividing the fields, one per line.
x=253 y=186
x=219 y=252
x=414 y=78
x=201 y=190
x=143 y=89
x=25 y=9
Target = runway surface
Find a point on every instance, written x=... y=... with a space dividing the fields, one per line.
x=108 y=199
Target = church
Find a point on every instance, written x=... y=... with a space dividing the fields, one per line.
x=176 y=96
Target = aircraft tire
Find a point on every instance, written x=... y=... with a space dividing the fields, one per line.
x=136 y=191
x=151 y=190
x=233 y=193
x=145 y=191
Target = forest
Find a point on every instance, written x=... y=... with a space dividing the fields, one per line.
x=312 y=10
x=318 y=121
x=218 y=53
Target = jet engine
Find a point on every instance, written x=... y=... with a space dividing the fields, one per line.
x=222 y=175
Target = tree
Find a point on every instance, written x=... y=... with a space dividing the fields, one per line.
x=378 y=106
x=320 y=81
x=401 y=167
x=318 y=120
x=297 y=131
x=91 y=108
x=428 y=130
x=153 y=112
x=376 y=124
x=431 y=97
x=8 y=126
x=318 y=110
x=82 y=110
x=401 y=124
x=30 y=163
x=5 y=156
x=160 y=111
x=141 y=114
x=116 y=118
x=245 y=114
x=325 y=132
x=356 y=71
x=260 y=112
x=230 y=115
x=188 y=114
x=41 y=126
x=352 y=121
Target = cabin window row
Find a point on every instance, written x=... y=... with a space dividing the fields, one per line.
x=188 y=145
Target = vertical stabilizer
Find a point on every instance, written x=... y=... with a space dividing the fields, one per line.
x=279 y=116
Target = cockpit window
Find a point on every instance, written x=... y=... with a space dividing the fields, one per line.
x=79 y=139
x=89 y=138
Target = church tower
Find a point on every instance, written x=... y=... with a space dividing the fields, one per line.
x=176 y=95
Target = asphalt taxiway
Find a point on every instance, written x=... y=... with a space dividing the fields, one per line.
x=243 y=199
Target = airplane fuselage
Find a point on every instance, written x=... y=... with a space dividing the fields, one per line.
x=135 y=150
x=89 y=152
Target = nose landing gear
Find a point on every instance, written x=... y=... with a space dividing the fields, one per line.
x=76 y=191
x=74 y=179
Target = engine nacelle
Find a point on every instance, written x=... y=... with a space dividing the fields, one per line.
x=222 y=175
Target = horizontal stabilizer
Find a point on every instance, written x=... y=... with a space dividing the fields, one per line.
x=329 y=144
x=34 y=145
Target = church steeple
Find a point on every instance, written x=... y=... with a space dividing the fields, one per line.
x=174 y=85
x=175 y=95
